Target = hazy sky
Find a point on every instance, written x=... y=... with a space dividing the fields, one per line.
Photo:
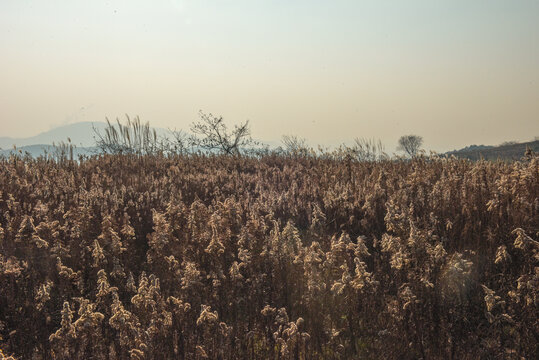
x=456 y=72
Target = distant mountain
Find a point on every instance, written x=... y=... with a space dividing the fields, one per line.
x=43 y=149
x=81 y=135
x=476 y=147
x=511 y=151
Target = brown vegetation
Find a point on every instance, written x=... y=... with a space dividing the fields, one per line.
x=508 y=151
x=193 y=257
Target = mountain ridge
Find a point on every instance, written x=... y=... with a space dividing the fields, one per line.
x=509 y=151
x=80 y=133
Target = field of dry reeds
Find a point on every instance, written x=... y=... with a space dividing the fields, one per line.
x=277 y=257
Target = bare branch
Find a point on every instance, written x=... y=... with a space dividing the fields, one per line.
x=410 y=144
x=211 y=134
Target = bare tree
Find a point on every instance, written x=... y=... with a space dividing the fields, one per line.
x=410 y=144
x=179 y=143
x=212 y=134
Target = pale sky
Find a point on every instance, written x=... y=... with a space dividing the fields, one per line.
x=457 y=72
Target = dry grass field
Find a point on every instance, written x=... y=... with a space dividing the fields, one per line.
x=276 y=257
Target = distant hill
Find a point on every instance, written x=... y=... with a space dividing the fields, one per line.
x=505 y=152
x=81 y=135
x=42 y=149
x=476 y=148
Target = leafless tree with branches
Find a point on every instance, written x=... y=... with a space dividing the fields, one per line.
x=211 y=133
x=410 y=144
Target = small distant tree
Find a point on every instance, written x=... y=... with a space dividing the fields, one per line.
x=179 y=144
x=211 y=133
x=410 y=144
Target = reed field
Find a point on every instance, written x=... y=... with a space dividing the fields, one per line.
x=268 y=257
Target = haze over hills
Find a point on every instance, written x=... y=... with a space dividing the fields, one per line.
x=44 y=149
x=510 y=151
x=81 y=134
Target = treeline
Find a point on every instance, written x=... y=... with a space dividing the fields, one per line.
x=276 y=257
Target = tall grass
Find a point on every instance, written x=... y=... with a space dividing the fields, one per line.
x=191 y=257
